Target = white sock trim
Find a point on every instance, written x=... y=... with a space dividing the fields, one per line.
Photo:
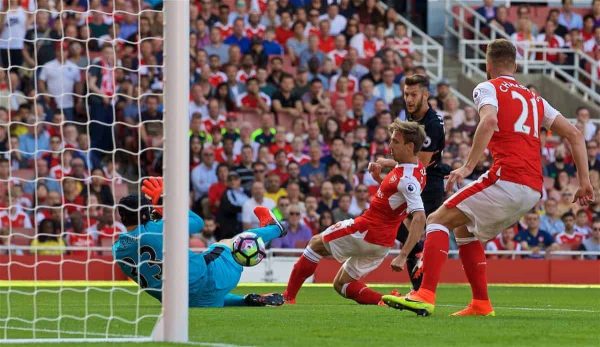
x=344 y=286
x=311 y=255
x=436 y=227
x=465 y=240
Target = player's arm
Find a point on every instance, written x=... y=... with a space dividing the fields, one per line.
x=574 y=137
x=375 y=171
x=485 y=130
x=411 y=191
x=386 y=162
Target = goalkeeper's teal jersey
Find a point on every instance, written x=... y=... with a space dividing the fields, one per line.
x=139 y=254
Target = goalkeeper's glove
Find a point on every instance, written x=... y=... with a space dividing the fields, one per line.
x=152 y=187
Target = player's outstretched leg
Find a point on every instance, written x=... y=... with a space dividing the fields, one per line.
x=473 y=260
x=304 y=268
x=266 y=218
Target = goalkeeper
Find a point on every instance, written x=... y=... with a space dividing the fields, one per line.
x=212 y=273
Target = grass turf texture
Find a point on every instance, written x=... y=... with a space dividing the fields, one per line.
x=526 y=316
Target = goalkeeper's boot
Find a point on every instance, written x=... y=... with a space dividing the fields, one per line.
x=420 y=302
x=394 y=292
x=266 y=217
x=271 y=299
x=477 y=308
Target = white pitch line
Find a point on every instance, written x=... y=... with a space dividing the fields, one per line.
x=532 y=309
x=69 y=332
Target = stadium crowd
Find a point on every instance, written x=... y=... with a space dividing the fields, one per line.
x=289 y=101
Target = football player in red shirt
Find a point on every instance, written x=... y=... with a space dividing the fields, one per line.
x=363 y=242
x=510 y=120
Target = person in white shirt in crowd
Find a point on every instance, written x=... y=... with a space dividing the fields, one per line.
x=258 y=198
x=60 y=78
x=551 y=221
x=13 y=34
x=338 y=22
x=583 y=116
x=204 y=174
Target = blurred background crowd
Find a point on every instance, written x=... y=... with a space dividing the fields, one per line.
x=289 y=101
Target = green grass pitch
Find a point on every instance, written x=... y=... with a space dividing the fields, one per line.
x=526 y=316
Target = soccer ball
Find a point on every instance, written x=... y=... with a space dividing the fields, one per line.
x=248 y=249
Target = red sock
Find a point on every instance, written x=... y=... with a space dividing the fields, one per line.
x=435 y=254
x=303 y=269
x=362 y=294
x=473 y=260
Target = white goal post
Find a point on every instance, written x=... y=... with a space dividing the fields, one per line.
x=66 y=292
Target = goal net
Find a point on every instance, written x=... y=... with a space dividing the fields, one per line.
x=81 y=126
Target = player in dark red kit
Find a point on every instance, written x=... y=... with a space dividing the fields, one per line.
x=511 y=117
x=363 y=242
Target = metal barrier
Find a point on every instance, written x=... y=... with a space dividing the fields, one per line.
x=533 y=58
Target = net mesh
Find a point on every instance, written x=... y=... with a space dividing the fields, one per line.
x=80 y=127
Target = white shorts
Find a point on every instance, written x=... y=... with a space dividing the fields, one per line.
x=492 y=204
x=346 y=243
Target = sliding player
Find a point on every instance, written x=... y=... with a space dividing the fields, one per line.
x=212 y=273
x=362 y=243
x=510 y=120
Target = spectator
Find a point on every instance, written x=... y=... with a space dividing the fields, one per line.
x=365 y=43
x=387 y=89
x=592 y=150
x=314 y=170
x=281 y=166
x=270 y=46
x=284 y=101
x=99 y=186
x=569 y=239
x=204 y=175
x=561 y=30
x=325 y=220
x=77 y=235
x=524 y=15
x=102 y=88
x=253 y=100
x=216 y=46
x=360 y=200
x=342 y=212
x=568 y=18
x=207 y=236
x=238 y=36
x=328 y=202
x=13 y=35
x=229 y=215
x=273 y=187
x=254 y=30
x=592 y=243
x=338 y=22
x=551 y=222
x=312 y=51
x=280 y=209
x=503 y=242
x=297 y=235
x=270 y=16
x=533 y=238
x=257 y=198
x=14 y=217
x=35 y=141
x=370 y=13
x=488 y=10
x=501 y=21
x=592 y=45
x=583 y=116
x=581 y=223
x=40 y=41
x=297 y=43
x=48 y=240
x=285 y=30
x=216 y=190
x=244 y=170
x=551 y=40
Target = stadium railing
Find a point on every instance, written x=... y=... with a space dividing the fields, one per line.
x=577 y=77
x=431 y=51
x=462 y=21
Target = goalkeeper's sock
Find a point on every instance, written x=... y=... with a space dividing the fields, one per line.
x=234 y=300
x=360 y=293
x=268 y=233
x=303 y=269
x=473 y=260
x=434 y=256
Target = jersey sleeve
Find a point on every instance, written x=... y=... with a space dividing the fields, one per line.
x=550 y=114
x=434 y=137
x=485 y=94
x=410 y=188
x=196 y=223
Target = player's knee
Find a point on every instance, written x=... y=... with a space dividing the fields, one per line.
x=316 y=244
